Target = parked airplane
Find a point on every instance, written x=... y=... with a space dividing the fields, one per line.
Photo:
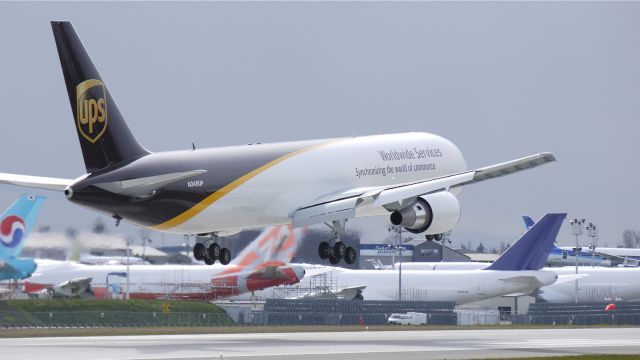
x=17 y=221
x=414 y=177
x=262 y=264
x=517 y=270
x=594 y=283
x=600 y=256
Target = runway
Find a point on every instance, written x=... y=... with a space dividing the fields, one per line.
x=405 y=345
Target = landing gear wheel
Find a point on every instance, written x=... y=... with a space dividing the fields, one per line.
x=208 y=261
x=437 y=237
x=350 y=255
x=225 y=256
x=333 y=260
x=429 y=237
x=214 y=252
x=339 y=249
x=198 y=251
x=324 y=250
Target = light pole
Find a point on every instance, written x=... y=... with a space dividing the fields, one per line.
x=126 y=296
x=592 y=232
x=576 y=229
x=399 y=248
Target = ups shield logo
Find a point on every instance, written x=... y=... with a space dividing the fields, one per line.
x=91 y=110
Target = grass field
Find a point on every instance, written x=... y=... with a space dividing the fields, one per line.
x=70 y=305
x=110 y=313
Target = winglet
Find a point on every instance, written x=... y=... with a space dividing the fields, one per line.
x=531 y=250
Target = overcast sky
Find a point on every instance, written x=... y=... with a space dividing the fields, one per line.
x=500 y=80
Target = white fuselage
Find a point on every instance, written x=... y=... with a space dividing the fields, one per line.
x=598 y=283
x=160 y=281
x=460 y=286
x=336 y=168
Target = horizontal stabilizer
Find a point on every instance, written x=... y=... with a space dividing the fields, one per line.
x=309 y=272
x=39 y=182
x=145 y=186
x=530 y=282
x=351 y=293
x=270 y=272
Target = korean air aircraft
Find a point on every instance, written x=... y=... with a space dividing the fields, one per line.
x=413 y=178
x=17 y=221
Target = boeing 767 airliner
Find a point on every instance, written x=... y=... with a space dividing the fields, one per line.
x=413 y=177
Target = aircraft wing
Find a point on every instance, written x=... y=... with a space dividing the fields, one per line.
x=39 y=182
x=344 y=205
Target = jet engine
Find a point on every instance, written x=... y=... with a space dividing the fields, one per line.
x=430 y=214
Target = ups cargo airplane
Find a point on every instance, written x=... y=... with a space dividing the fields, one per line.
x=414 y=177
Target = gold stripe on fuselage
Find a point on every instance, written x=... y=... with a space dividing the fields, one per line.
x=199 y=207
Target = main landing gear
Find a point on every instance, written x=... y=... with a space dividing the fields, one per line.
x=209 y=251
x=339 y=250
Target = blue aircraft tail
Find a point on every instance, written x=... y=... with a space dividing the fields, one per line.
x=528 y=221
x=16 y=223
x=531 y=250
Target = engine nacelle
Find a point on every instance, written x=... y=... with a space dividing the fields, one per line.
x=430 y=214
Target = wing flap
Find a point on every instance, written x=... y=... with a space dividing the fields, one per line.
x=327 y=212
x=39 y=182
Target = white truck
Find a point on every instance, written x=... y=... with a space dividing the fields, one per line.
x=410 y=318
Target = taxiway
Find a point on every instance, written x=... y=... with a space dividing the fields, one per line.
x=373 y=345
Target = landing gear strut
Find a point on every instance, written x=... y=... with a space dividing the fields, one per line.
x=209 y=251
x=339 y=250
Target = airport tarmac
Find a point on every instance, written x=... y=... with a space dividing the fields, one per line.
x=373 y=345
